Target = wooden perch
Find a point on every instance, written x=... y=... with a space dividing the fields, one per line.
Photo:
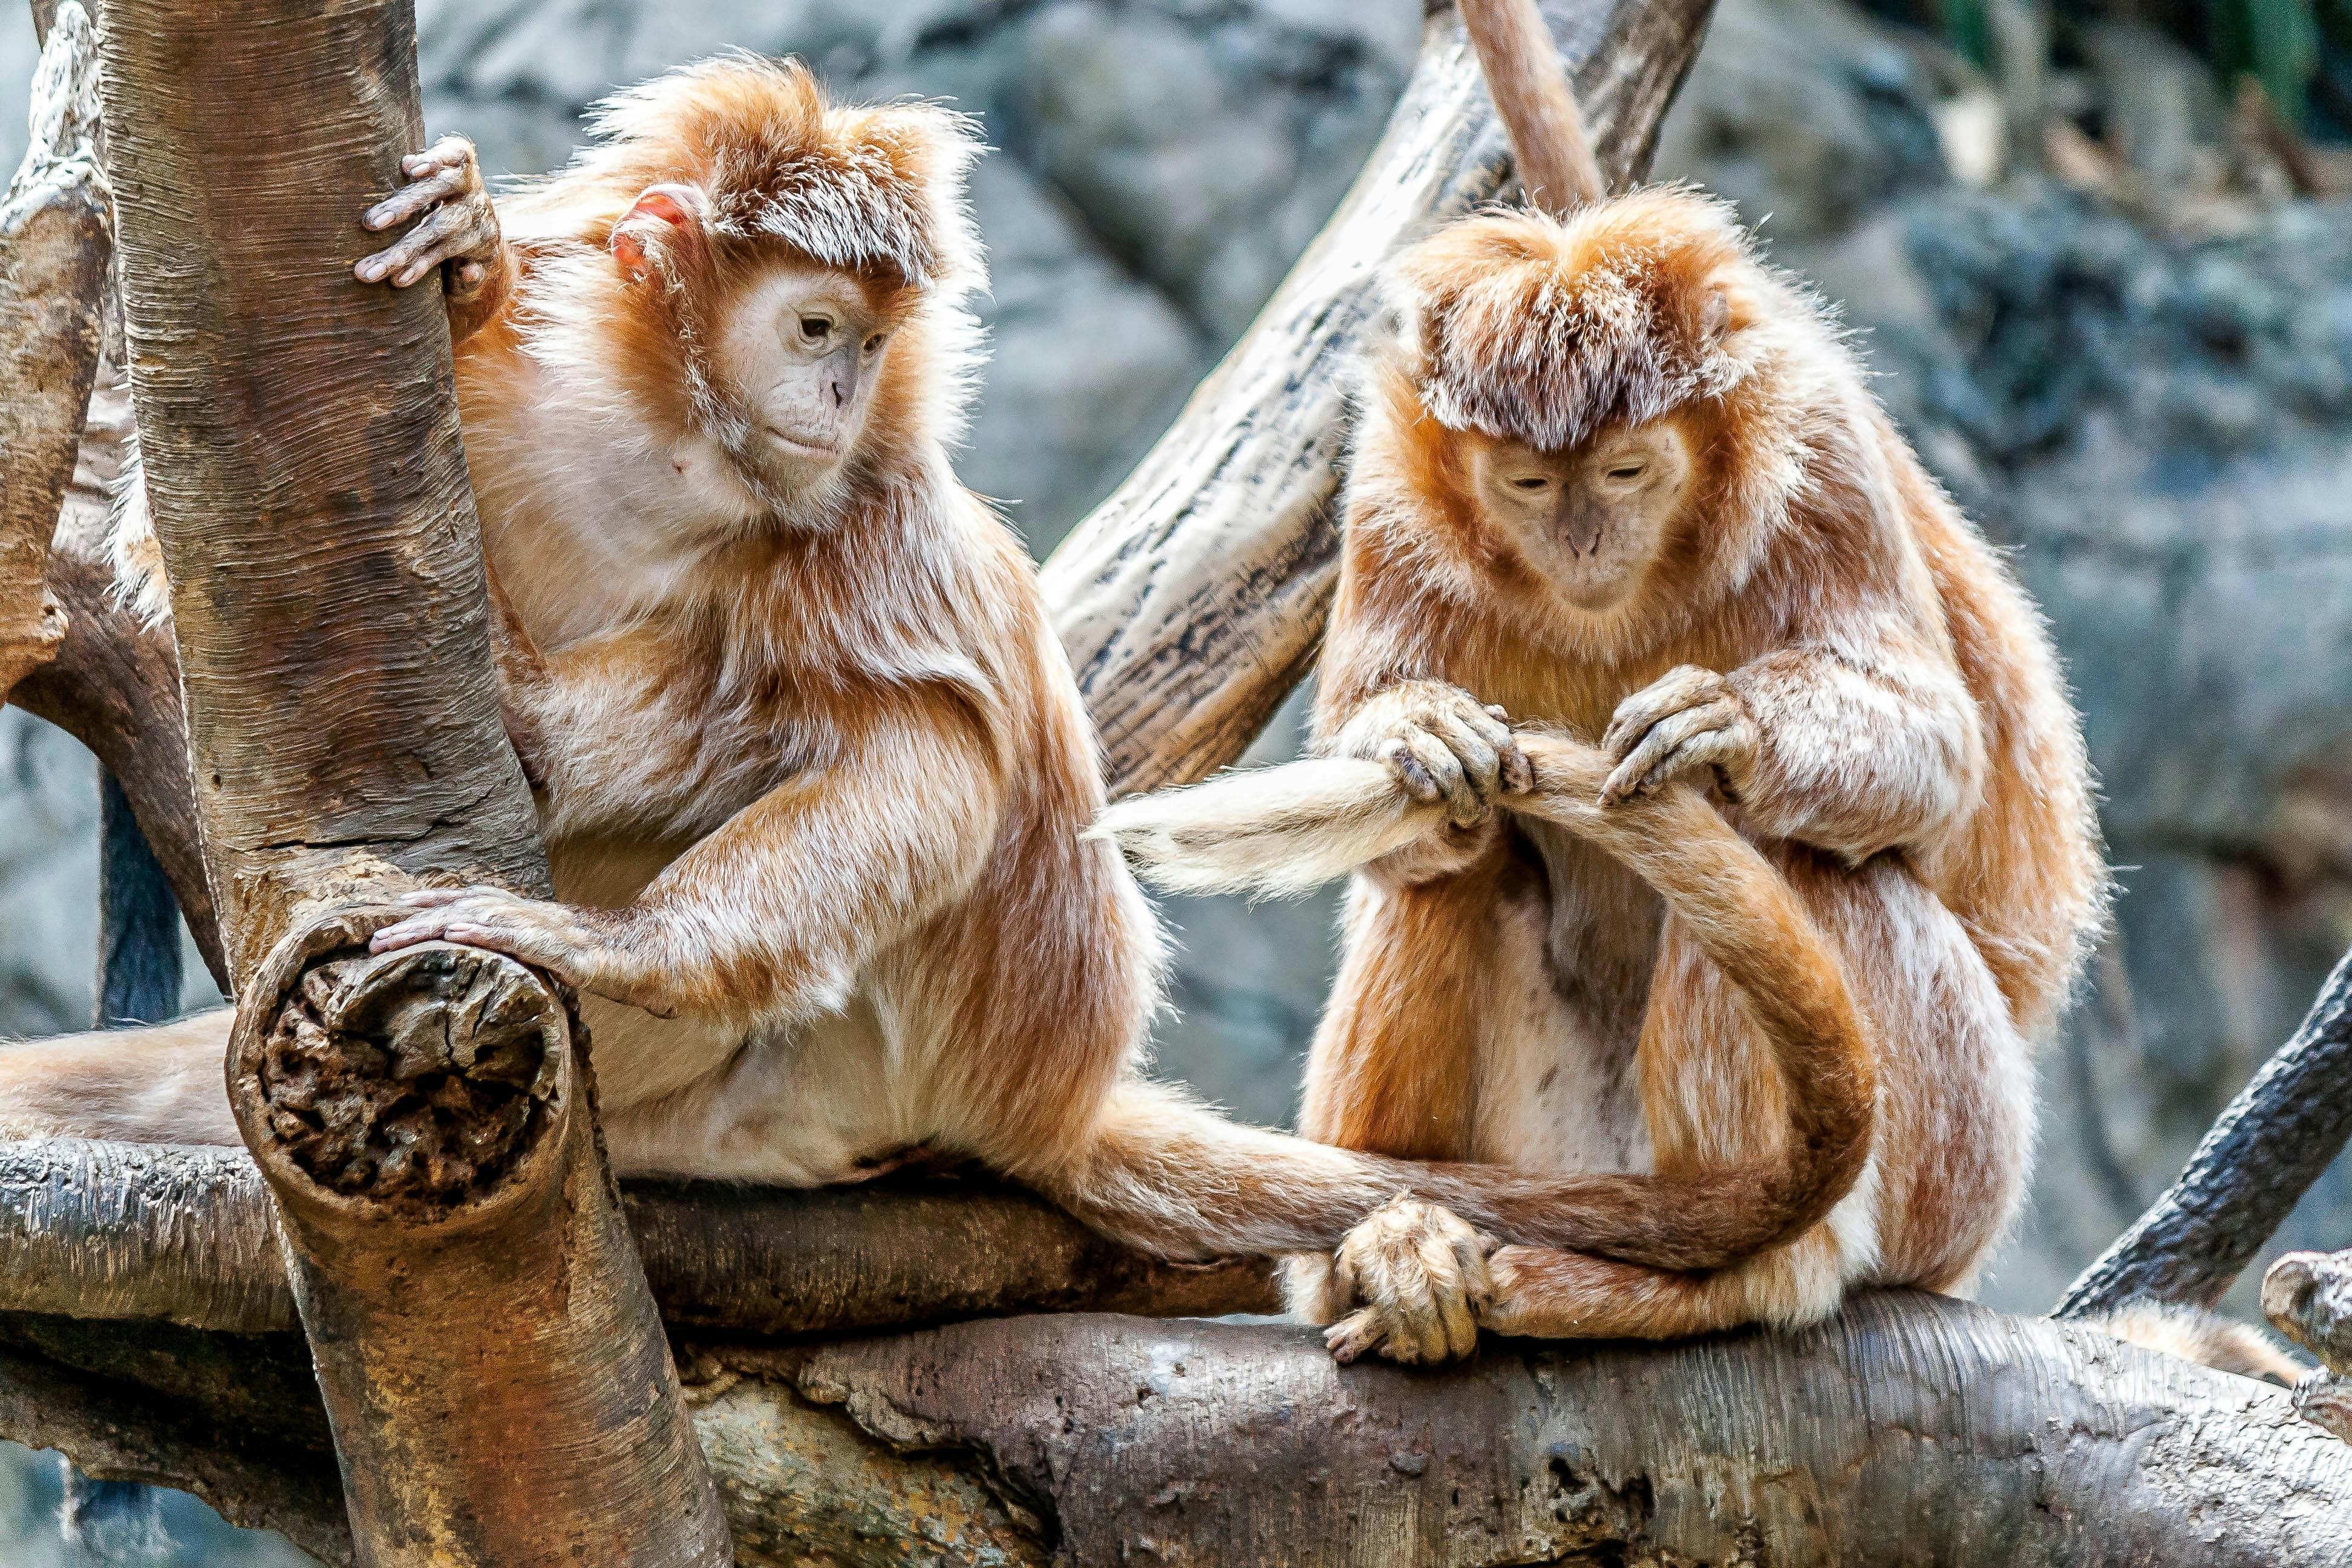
x=55 y=239
x=1191 y=601
x=1910 y=1429
x=131 y=1232
x=2271 y=1143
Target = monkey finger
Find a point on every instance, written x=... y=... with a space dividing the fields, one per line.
x=1481 y=759
x=1352 y=1335
x=1686 y=686
x=1453 y=786
x=412 y=199
x=449 y=153
x=1408 y=769
x=1518 y=772
x=1486 y=722
x=1644 y=767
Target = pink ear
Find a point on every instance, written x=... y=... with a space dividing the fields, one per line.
x=666 y=216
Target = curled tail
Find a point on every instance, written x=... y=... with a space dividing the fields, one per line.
x=1283 y=829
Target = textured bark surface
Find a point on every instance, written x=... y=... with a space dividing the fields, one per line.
x=2271 y=1143
x=424 y=1119
x=1191 y=601
x=129 y=1232
x=1911 y=1430
x=114 y=684
x=55 y=240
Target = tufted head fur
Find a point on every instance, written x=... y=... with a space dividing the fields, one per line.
x=877 y=189
x=1541 y=331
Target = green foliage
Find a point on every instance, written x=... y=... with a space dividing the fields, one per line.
x=2276 y=42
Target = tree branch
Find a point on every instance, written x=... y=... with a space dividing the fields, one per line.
x=2275 y=1140
x=1191 y=601
x=1911 y=1428
x=132 y=1232
x=55 y=238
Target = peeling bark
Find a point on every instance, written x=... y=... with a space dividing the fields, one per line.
x=2262 y=1153
x=55 y=238
x=1193 y=600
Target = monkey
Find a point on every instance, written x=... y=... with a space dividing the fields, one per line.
x=814 y=773
x=1619 y=477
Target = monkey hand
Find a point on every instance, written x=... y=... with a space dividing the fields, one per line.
x=1686 y=719
x=459 y=231
x=1444 y=745
x=587 y=949
x=1417 y=1277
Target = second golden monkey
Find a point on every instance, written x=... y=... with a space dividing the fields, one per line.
x=1622 y=480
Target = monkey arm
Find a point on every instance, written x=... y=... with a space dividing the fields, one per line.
x=1850 y=743
x=1861 y=745
x=776 y=913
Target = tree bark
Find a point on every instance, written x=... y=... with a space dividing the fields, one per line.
x=114 y=684
x=54 y=243
x=134 y=1232
x=2275 y=1140
x=1909 y=1430
x=1193 y=600
x=424 y=1119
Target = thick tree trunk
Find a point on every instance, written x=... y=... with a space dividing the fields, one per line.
x=54 y=244
x=424 y=1120
x=2275 y=1140
x=1191 y=601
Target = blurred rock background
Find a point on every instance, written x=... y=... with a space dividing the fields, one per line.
x=2109 y=292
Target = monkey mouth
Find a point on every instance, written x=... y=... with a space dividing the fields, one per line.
x=798 y=447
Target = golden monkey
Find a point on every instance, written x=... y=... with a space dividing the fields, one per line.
x=1618 y=477
x=814 y=773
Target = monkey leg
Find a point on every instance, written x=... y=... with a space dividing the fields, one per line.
x=158 y=1085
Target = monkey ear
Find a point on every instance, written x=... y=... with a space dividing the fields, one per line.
x=1715 y=316
x=666 y=219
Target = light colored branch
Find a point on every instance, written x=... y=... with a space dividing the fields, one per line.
x=1191 y=601
x=55 y=239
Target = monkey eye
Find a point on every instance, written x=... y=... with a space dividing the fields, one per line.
x=1625 y=471
x=814 y=330
x=1530 y=482
x=875 y=343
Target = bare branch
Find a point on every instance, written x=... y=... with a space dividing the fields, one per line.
x=114 y=684
x=1536 y=104
x=130 y=1232
x=2275 y=1140
x=55 y=239
x=1910 y=1429
x=1191 y=601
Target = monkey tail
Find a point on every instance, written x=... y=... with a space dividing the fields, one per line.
x=1282 y=829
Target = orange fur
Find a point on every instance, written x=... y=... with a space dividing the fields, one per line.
x=1916 y=773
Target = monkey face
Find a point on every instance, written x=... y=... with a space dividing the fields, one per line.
x=799 y=353
x=1590 y=519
